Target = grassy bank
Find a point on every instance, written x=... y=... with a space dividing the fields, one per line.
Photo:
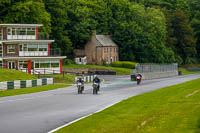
x=174 y=109
x=119 y=71
x=186 y=72
x=58 y=78
x=30 y=90
x=8 y=75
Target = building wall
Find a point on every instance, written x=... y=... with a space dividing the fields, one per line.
x=95 y=52
x=99 y=55
x=90 y=51
x=4 y=33
x=110 y=52
x=5 y=47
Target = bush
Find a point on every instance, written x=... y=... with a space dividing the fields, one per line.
x=68 y=62
x=124 y=64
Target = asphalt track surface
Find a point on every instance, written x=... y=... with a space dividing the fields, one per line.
x=41 y=112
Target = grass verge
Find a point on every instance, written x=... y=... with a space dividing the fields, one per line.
x=9 y=74
x=186 y=72
x=58 y=78
x=119 y=71
x=30 y=90
x=174 y=109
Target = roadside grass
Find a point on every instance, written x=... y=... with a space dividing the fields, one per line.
x=174 y=109
x=119 y=71
x=9 y=74
x=186 y=72
x=30 y=90
x=58 y=78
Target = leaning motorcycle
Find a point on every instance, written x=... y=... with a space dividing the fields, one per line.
x=95 y=88
x=138 y=79
x=80 y=87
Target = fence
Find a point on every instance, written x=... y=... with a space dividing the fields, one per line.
x=152 y=71
x=17 y=84
x=144 y=68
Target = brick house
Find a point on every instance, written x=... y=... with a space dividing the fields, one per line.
x=22 y=49
x=100 y=49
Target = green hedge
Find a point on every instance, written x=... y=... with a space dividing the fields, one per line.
x=124 y=64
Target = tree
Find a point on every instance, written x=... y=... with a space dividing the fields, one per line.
x=140 y=33
x=28 y=12
x=59 y=20
x=195 y=21
x=186 y=43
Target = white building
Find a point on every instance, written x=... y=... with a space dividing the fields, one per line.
x=22 y=49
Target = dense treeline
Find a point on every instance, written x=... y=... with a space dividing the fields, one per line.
x=159 y=31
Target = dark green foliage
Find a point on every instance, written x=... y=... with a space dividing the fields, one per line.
x=186 y=43
x=59 y=20
x=195 y=21
x=26 y=11
x=156 y=31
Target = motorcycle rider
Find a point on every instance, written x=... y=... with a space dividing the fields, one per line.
x=97 y=80
x=80 y=80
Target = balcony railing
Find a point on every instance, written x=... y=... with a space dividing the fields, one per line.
x=53 y=53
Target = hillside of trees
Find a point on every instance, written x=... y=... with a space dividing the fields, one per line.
x=148 y=31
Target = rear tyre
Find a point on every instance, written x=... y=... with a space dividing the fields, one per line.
x=93 y=90
x=79 y=90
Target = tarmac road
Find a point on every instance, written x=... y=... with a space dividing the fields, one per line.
x=44 y=111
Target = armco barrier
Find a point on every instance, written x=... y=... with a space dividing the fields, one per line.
x=25 y=83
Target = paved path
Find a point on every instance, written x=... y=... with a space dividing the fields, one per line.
x=44 y=111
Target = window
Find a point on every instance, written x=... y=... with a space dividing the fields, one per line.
x=18 y=31
x=104 y=50
x=32 y=47
x=1 y=37
x=13 y=31
x=23 y=31
x=54 y=65
x=43 y=47
x=47 y=64
x=1 y=50
x=44 y=65
x=110 y=50
x=25 y=48
x=1 y=64
x=21 y=47
x=23 y=64
x=9 y=31
x=11 y=49
x=30 y=31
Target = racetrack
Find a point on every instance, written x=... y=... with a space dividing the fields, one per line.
x=44 y=111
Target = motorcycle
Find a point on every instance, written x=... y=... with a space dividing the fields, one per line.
x=138 y=79
x=95 y=88
x=80 y=87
